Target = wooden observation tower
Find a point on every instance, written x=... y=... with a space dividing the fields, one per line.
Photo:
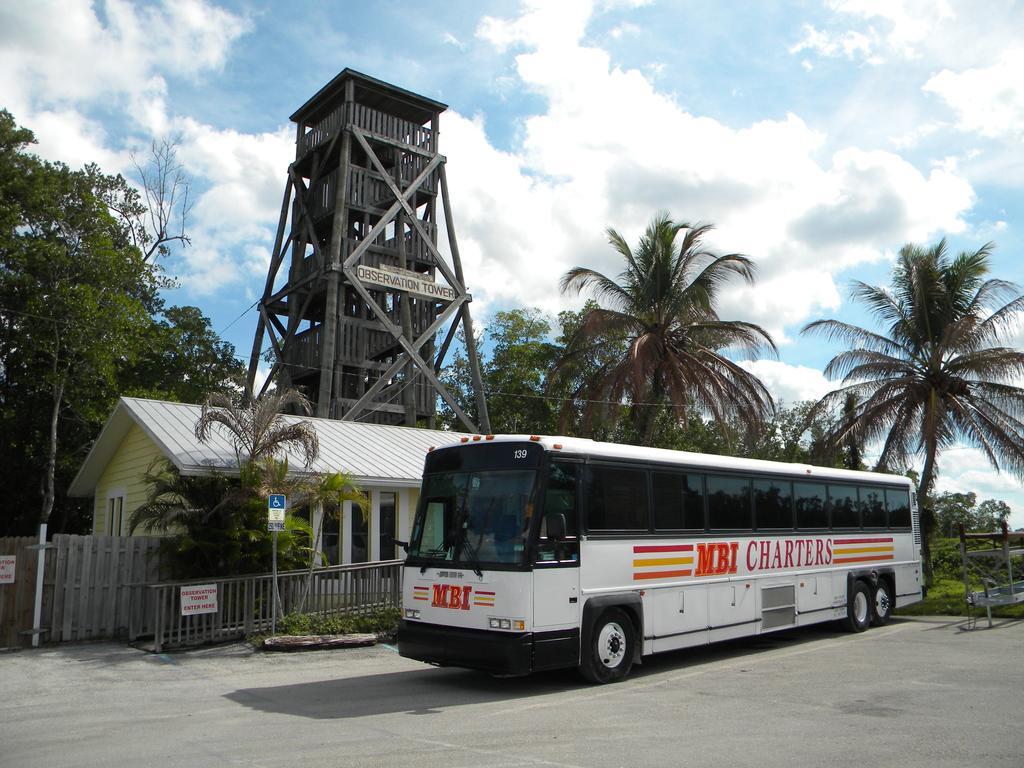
x=360 y=306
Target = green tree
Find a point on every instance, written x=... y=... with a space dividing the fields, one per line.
x=937 y=373
x=951 y=510
x=516 y=358
x=71 y=288
x=516 y=372
x=664 y=304
x=182 y=359
x=77 y=325
x=991 y=514
x=955 y=509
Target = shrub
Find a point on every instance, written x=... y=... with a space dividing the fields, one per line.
x=380 y=622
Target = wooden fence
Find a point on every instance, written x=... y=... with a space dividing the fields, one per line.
x=86 y=587
x=16 y=599
x=108 y=587
x=244 y=603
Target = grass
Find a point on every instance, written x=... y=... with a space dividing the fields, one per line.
x=946 y=595
x=946 y=598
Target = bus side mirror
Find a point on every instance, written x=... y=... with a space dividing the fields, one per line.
x=389 y=539
x=554 y=523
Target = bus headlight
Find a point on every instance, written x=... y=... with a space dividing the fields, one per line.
x=412 y=613
x=496 y=622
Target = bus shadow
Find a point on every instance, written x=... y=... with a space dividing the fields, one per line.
x=695 y=657
x=432 y=690
x=417 y=692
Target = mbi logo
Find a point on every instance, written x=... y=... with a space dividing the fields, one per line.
x=716 y=558
x=451 y=596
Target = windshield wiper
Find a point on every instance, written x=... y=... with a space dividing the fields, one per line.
x=439 y=550
x=469 y=549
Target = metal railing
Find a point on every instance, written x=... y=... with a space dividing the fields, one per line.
x=244 y=604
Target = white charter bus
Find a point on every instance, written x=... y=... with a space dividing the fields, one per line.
x=530 y=553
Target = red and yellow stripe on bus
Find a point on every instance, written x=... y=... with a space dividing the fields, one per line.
x=865 y=550
x=483 y=598
x=662 y=561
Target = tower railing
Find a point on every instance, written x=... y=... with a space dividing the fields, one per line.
x=367 y=190
x=371 y=121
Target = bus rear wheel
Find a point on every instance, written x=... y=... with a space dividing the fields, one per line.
x=610 y=654
x=858 y=607
x=881 y=606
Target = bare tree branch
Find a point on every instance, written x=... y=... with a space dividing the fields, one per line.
x=166 y=189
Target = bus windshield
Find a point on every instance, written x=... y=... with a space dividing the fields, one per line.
x=474 y=518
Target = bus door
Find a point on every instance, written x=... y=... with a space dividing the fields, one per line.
x=556 y=573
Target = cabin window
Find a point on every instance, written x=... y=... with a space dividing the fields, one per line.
x=360 y=534
x=115 y=515
x=388 y=526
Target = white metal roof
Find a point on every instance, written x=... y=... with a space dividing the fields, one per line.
x=372 y=454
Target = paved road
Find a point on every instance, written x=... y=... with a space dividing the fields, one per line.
x=919 y=692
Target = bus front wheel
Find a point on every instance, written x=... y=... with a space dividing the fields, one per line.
x=858 y=607
x=610 y=655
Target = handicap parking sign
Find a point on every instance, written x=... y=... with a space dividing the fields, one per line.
x=277 y=503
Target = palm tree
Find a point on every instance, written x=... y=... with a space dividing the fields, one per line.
x=937 y=374
x=663 y=306
x=213 y=526
x=258 y=428
x=217 y=525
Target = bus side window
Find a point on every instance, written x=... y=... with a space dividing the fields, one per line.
x=560 y=498
x=872 y=506
x=845 y=510
x=617 y=499
x=898 y=502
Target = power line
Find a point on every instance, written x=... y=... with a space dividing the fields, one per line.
x=244 y=313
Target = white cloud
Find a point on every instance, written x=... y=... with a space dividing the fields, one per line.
x=913 y=137
x=609 y=149
x=624 y=30
x=893 y=28
x=987 y=100
x=909 y=21
x=450 y=39
x=848 y=44
x=541 y=24
x=789 y=384
x=963 y=469
x=117 y=57
x=60 y=57
x=235 y=217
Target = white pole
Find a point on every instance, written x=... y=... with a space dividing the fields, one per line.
x=37 y=612
x=273 y=610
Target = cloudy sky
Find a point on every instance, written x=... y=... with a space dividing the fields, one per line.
x=818 y=136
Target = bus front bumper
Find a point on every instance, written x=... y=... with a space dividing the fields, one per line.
x=503 y=653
